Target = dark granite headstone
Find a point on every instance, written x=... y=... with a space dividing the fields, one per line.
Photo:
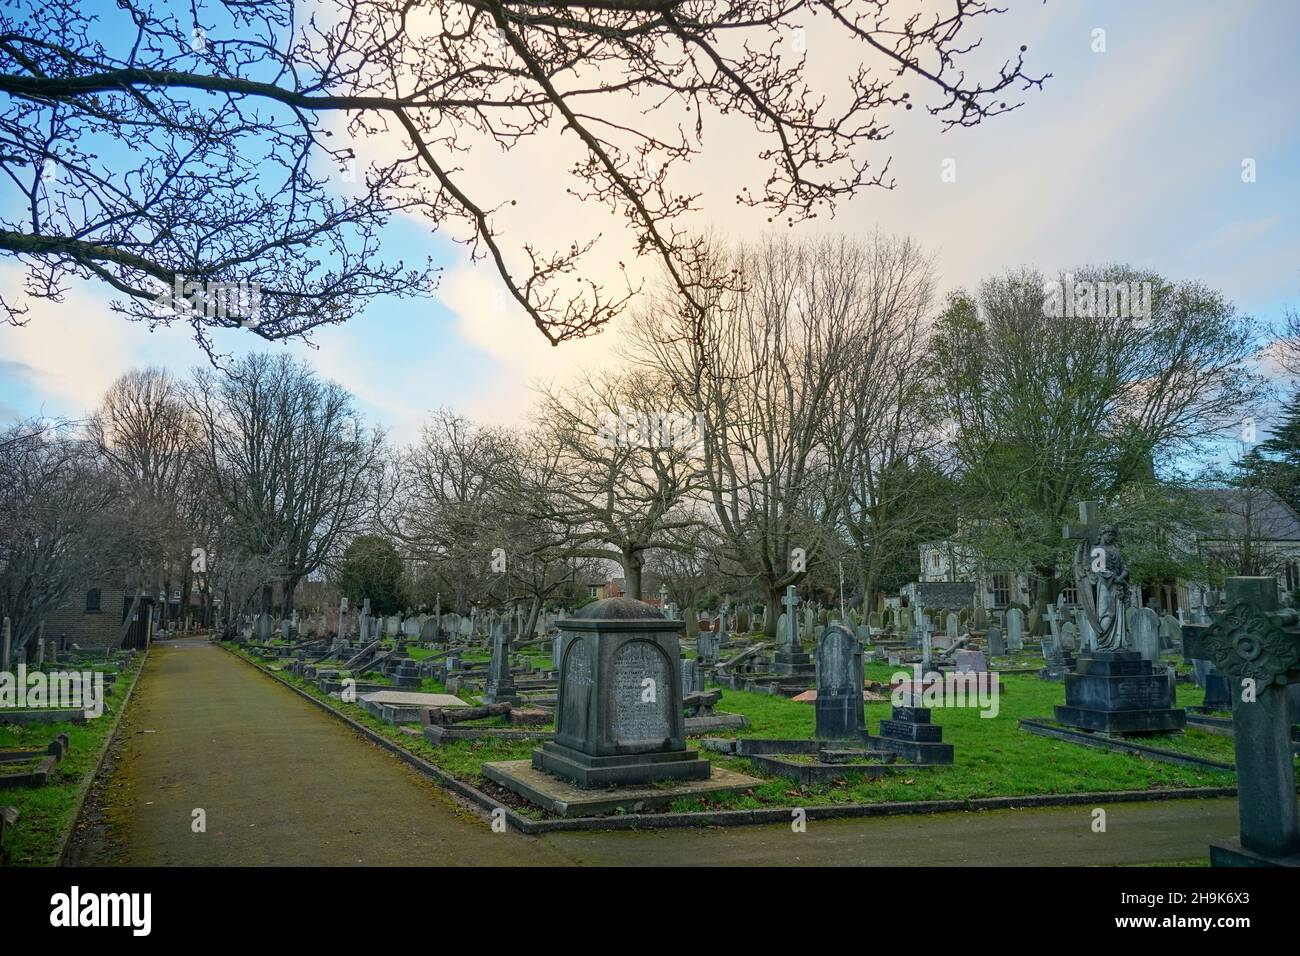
x=839 y=684
x=500 y=687
x=1256 y=647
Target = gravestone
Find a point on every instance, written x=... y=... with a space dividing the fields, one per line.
x=1257 y=647
x=791 y=659
x=1015 y=630
x=706 y=649
x=951 y=625
x=429 y=631
x=1171 y=632
x=1069 y=637
x=500 y=686
x=1121 y=694
x=1055 y=665
x=1146 y=633
x=722 y=633
x=997 y=647
x=839 y=684
x=693 y=679
x=970 y=662
x=619 y=713
x=263 y=628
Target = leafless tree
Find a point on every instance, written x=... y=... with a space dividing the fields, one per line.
x=764 y=365
x=631 y=460
x=885 y=413
x=290 y=460
x=450 y=491
x=64 y=521
x=147 y=147
x=144 y=430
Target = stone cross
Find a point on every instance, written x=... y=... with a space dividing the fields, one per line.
x=927 y=644
x=791 y=636
x=1257 y=647
x=1054 y=622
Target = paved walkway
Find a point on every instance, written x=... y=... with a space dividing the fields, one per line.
x=283 y=783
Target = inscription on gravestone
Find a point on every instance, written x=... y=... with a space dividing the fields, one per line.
x=641 y=695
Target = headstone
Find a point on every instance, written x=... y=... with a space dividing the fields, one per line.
x=790 y=659
x=500 y=686
x=951 y=625
x=970 y=662
x=1055 y=665
x=619 y=713
x=1171 y=631
x=1253 y=641
x=429 y=631
x=997 y=647
x=1146 y=634
x=1015 y=630
x=1069 y=637
x=839 y=685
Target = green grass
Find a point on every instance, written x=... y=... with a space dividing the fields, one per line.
x=994 y=757
x=46 y=812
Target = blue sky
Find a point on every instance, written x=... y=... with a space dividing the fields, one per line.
x=1129 y=155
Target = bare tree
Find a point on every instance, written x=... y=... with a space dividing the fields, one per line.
x=148 y=147
x=289 y=459
x=764 y=364
x=885 y=428
x=64 y=521
x=631 y=462
x=450 y=491
x=144 y=430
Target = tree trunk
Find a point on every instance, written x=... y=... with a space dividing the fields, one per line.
x=773 y=611
x=632 y=572
x=290 y=586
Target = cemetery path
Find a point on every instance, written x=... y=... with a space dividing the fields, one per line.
x=1170 y=831
x=281 y=783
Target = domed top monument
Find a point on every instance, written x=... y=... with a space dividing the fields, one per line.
x=619 y=609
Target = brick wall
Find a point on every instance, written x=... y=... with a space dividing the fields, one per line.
x=88 y=629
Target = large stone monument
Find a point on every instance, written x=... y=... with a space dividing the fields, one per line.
x=1257 y=647
x=618 y=716
x=1112 y=689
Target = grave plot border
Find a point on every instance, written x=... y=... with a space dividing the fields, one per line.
x=65 y=838
x=728 y=818
x=1044 y=728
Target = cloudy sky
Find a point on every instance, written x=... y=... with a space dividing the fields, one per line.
x=1134 y=155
